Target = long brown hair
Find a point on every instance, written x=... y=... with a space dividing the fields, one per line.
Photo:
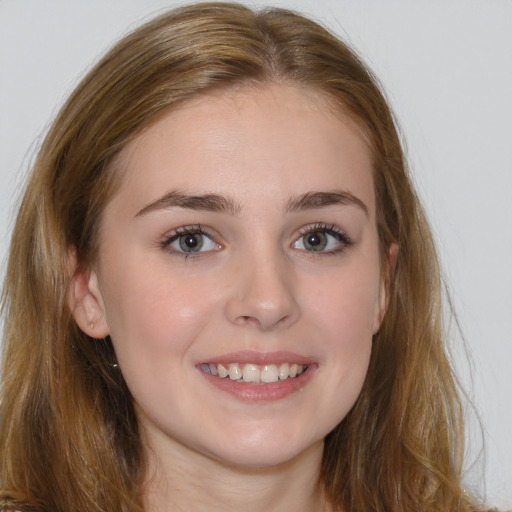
x=68 y=432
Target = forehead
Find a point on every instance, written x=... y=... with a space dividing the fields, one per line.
x=252 y=142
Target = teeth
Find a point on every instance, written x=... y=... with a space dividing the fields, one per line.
x=284 y=371
x=269 y=373
x=253 y=373
x=222 y=371
x=234 y=372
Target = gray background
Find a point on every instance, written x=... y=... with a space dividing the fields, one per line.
x=447 y=68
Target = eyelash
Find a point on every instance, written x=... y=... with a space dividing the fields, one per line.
x=175 y=235
x=328 y=229
x=339 y=234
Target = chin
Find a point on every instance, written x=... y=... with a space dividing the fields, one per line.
x=261 y=452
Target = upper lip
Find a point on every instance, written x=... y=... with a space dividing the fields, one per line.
x=260 y=358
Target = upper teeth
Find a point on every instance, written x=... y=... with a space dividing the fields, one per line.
x=266 y=373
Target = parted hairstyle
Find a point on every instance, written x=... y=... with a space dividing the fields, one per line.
x=69 y=439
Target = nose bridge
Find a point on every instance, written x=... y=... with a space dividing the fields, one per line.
x=263 y=290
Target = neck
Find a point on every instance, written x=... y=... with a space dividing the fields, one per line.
x=184 y=480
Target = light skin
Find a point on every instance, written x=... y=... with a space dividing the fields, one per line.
x=244 y=228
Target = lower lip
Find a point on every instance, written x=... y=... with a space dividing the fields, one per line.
x=260 y=392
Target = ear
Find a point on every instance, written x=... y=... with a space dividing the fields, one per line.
x=386 y=275
x=85 y=300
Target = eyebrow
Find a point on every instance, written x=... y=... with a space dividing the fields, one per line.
x=204 y=202
x=314 y=200
x=221 y=204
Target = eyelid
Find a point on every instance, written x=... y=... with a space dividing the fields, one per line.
x=192 y=229
x=344 y=239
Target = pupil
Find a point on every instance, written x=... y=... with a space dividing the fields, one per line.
x=316 y=241
x=191 y=242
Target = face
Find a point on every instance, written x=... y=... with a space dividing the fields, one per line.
x=238 y=275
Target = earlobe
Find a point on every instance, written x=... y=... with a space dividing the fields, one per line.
x=85 y=300
x=386 y=276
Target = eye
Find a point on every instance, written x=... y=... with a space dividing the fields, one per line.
x=189 y=240
x=322 y=238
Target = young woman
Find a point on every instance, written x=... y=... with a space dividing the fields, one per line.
x=222 y=292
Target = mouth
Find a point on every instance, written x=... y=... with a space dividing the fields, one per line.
x=259 y=377
x=252 y=373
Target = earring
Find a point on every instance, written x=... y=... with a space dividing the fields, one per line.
x=91 y=325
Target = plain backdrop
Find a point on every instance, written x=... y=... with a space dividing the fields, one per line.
x=447 y=69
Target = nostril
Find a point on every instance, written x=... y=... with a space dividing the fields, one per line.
x=260 y=322
x=262 y=301
x=246 y=319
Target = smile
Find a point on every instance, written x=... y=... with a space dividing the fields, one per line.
x=251 y=373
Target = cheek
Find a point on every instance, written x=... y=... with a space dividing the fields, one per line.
x=344 y=310
x=149 y=314
x=346 y=302
x=347 y=327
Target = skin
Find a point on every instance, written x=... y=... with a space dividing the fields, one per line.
x=255 y=286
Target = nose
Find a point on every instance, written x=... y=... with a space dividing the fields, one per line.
x=263 y=294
